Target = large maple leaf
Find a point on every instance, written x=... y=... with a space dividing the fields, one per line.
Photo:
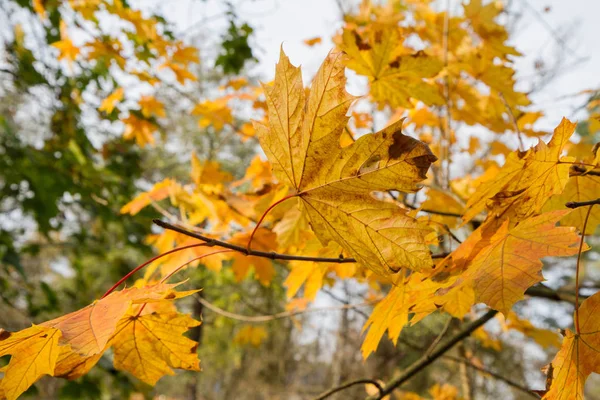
x=33 y=351
x=88 y=330
x=395 y=76
x=579 y=355
x=335 y=184
x=526 y=181
x=150 y=345
x=502 y=271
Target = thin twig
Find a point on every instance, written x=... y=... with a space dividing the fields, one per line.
x=576 y=204
x=272 y=317
x=210 y=242
x=439 y=337
x=346 y=385
x=514 y=121
x=492 y=374
x=428 y=359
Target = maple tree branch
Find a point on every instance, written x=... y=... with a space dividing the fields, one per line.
x=439 y=337
x=429 y=211
x=582 y=171
x=514 y=121
x=545 y=292
x=577 y=204
x=256 y=253
x=272 y=317
x=346 y=385
x=428 y=359
x=492 y=374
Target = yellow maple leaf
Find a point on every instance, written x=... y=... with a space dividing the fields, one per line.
x=139 y=129
x=181 y=73
x=264 y=240
x=335 y=184
x=110 y=102
x=185 y=54
x=579 y=355
x=67 y=50
x=578 y=188
x=313 y=41
x=501 y=272
x=250 y=335
x=150 y=106
x=395 y=76
x=160 y=191
x=526 y=181
x=543 y=337
x=216 y=113
x=389 y=314
x=150 y=345
x=33 y=351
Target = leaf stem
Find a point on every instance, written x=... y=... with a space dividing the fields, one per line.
x=136 y=269
x=272 y=206
x=587 y=216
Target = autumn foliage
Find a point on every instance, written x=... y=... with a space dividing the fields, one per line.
x=334 y=198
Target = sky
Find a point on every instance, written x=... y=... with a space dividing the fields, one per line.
x=547 y=29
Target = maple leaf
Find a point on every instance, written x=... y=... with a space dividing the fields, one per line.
x=88 y=330
x=264 y=240
x=71 y=365
x=579 y=355
x=150 y=106
x=395 y=76
x=250 y=335
x=185 y=54
x=578 y=188
x=139 y=129
x=526 y=181
x=313 y=41
x=335 y=184
x=501 y=272
x=33 y=351
x=67 y=50
x=159 y=191
x=389 y=314
x=543 y=337
x=216 y=113
x=150 y=345
x=110 y=102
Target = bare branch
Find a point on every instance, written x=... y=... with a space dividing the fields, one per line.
x=346 y=385
x=576 y=204
x=428 y=359
x=210 y=242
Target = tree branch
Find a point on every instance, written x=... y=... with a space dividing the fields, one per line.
x=267 y=318
x=576 y=204
x=210 y=242
x=346 y=385
x=494 y=375
x=427 y=359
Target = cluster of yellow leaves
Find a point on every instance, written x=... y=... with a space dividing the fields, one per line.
x=153 y=51
x=334 y=183
x=250 y=335
x=147 y=341
x=579 y=355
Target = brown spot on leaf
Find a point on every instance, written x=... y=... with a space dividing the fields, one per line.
x=396 y=63
x=4 y=334
x=362 y=45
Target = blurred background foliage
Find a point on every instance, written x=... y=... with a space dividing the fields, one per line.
x=65 y=173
